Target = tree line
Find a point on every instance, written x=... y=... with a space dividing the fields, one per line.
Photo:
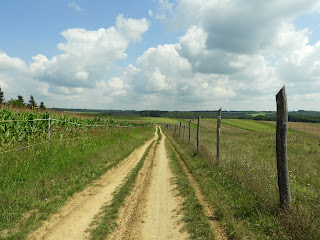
x=19 y=102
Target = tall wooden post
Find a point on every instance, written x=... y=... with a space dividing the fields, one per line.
x=218 y=134
x=282 y=161
x=184 y=129
x=189 y=130
x=180 y=130
x=198 y=134
x=49 y=129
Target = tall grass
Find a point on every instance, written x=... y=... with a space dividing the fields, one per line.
x=243 y=187
x=35 y=182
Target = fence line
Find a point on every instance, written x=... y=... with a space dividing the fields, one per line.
x=279 y=131
x=49 y=130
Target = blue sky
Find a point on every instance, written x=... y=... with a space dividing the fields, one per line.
x=161 y=54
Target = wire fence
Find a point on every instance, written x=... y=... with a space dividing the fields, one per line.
x=248 y=153
x=16 y=135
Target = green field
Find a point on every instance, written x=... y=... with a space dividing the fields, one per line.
x=36 y=181
x=243 y=187
x=257 y=114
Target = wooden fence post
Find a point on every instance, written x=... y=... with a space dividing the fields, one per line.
x=282 y=161
x=198 y=134
x=189 y=130
x=218 y=134
x=49 y=129
x=180 y=130
x=184 y=129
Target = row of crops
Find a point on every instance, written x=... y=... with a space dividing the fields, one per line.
x=21 y=128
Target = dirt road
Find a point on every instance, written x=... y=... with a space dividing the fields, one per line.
x=151 y=211
x=72 y=221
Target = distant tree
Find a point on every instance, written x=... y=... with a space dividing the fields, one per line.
x=21 y=100
x=41 y=106
x=32 y=103
x=1 y=96
x=19 y=103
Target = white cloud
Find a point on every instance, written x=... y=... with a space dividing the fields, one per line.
x=11 y=64
x=132 y=28
x=85 y=58
x=87 y=55
x=234 y=54
x=75 y=6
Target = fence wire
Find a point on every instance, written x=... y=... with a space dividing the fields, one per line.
x=51 y=133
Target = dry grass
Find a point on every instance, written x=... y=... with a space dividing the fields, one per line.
x=244 y=187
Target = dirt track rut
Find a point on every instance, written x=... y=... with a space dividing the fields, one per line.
x=152 y=210
x=72 y=221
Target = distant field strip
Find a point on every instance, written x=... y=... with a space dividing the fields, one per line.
x=251 y=125
x=313 y=128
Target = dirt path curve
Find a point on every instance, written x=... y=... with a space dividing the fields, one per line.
x=153 y=210
x=72 y=221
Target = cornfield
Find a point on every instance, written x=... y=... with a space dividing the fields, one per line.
x=24 y=128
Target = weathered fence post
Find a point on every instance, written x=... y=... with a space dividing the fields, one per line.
x=198 y=134
x=49 y=129
x=218 y=134
x=180 y=130
x=184 y=129
x=282 y=161
x=189 y=130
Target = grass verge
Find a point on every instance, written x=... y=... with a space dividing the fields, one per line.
x=243 y=187
x=35 y=182
x=196 y=222
x=108 y=222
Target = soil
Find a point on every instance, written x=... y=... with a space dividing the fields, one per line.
x=153 y=210
x=72 y=221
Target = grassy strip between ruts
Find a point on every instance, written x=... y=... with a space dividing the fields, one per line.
x=35 y=182
x=110 y=215
x=195 y=220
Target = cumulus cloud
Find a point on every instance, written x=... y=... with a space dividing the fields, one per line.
x=233 y=52
x=85 y=58
x=87 y=55
x=11 y=64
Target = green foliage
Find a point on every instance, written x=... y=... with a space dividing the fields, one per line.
x=19 y=128
x=32 y=103
x=1 y=96
x=251 y=125
x=195 y=220
x=41 y=106
x=35 y=182
x=243 y=186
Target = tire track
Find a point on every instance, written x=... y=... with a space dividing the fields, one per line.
x=219 y=231
x=152 y=211
x=72 y=221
